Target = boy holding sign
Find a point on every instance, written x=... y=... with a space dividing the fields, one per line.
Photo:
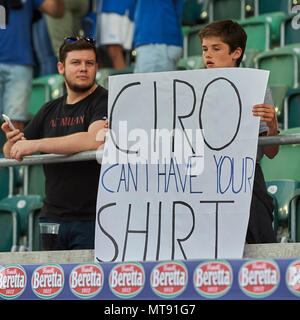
x=223 y=44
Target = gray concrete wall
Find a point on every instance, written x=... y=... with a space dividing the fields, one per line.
x=252 y=251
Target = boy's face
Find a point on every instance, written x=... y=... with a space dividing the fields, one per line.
x=216 y=53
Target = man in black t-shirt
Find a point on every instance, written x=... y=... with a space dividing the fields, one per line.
x=68 y=125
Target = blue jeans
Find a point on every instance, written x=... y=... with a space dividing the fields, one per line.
x=43 y=48
x=75 y=235
x=15 y=88
x=156 y=58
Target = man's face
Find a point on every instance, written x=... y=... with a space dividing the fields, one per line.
x=216 y=53
x=79 y=70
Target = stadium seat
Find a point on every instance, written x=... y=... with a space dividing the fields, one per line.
x=44 y=89
x=2 y=140
x=193 y=12
x=230 y=9
x=192 y=43
x=265 y=6
x=282 y=190
x=278 y=94
x=288 y=34
x=286 y=163
x=263 y=31
x=103 y=74
x=4 y=181
x=294 y=208
x=292 y=109
x=190 y=63
x=17 y=211
x=283 y=64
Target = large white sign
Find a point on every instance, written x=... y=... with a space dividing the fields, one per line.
x=178 y=165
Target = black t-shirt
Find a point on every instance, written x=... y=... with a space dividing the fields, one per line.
x=71 y=188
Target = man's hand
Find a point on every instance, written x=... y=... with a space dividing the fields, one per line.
x=12 y=137
x=23 y=148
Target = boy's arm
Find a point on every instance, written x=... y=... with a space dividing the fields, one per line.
x=73 y=143
x=267 y=113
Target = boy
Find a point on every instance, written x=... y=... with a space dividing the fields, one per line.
x=223 y=44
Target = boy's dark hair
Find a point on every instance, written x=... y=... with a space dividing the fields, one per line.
x=80 y=44
x=230 y=32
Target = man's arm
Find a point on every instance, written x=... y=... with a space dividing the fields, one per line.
x=73 y=143
x=55 y=8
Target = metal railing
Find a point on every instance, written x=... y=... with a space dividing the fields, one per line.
x=93 y=155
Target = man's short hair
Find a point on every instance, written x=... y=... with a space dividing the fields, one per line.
x=230 y=33
x=80 y=44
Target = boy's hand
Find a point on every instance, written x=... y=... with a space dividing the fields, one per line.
x=266 y=113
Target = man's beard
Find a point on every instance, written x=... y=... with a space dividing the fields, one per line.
x=77 y=88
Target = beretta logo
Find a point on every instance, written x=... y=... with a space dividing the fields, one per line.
x=212 y=279
x=126 y=280
x=86 y=280
x=293 y=277
x=47 y=281
x=259 y=278
x=169 y=279
x=12 y=281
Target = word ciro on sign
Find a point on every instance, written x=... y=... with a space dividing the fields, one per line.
x=47 y=281
x=293 y=277
x=169 y=279
x=126 y=280
x=86 y=280
x=259 y=278
x=12 y=281
x=213 y=279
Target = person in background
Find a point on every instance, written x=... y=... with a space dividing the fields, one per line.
x=223 y=45
x=114 y=29
x=68 y=125
x=68 y=25
x=158 y=39
x=16 y=55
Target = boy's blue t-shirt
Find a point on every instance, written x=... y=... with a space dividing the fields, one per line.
x=15 y=40
x=158 y=21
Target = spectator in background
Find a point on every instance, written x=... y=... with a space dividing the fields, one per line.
x=16 y=55
x=46 y=59
x=115 y=29
x=158 y=38
x=68 y=25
